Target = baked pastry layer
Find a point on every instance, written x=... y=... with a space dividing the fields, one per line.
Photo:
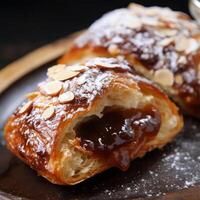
x=161 y=44
x=52 y=131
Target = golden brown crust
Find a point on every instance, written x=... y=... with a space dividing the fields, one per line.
x=39 y=133
x=151 y=39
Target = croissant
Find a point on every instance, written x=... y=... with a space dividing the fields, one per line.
x=88 y=117
x=161 y=44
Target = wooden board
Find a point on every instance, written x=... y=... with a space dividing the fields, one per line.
x=169 y=174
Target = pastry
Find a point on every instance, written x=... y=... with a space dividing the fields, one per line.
x=161 y=44
x=88 y=117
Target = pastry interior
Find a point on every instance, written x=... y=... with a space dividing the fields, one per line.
x=121 y=125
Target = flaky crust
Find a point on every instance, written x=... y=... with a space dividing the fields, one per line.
x=47 y=142
x=151 y=39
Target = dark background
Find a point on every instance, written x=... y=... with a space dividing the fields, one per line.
x=26 y=25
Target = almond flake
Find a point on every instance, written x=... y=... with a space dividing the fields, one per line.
x=150 y=21
x=164 y=77
x=166 y=32
x=52 y=88
x=81 y=80
x=132 y=22
x=32 y=95
x=193 y=46
x=182 y=60
x=78 y=68
x=48 y=112
x=66 y=97
x=64 y=75
x=186 y=44
x=152 y=11
x=178 y=79
x=113 y=49
x=26 y=107
x=166 y=41
x=55 y=69
x=135 y=6
x=101 y=63
x=181 y=43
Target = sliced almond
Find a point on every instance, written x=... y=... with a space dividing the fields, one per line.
x=166 y=32
x=48 y=112
x=66 y=97
x=166 y=41
x=178 y=79
x=164 y=77
x=32 y=95
x=151 y=21
x=55 y=69
x=78 y=68
x=182 y=60
x=152 y=11
x=81 y=80
x=113 y=49
x=26 y=107
x=108 y=65
x=132 y=22
x=64 y=75
x=102 y=63
x=181 y=43
x=193 y=46
x=52 y=88
x=136 y=7
x=186 y=44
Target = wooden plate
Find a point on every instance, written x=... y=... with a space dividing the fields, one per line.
x=172 y=173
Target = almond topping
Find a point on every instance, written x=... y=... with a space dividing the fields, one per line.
x=178 y=79
x=48 y=112
x=102 y=63
x=166 y=32
x=66 y=97
x=186 y=44
x=26 y=107
x=150 y=21
x=113 y=49
x=136 y=7
x=181 y=43
x=193 y=46
x=55 y=69
x=32 y=95
x=182 y=60
x=166 y=41
x=53 y=88
x=81 y=80
x=78 y=68
x=132 y=22
x=164 y=77
x=64 y=75
x=152 y=11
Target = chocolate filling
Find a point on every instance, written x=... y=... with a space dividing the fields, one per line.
x=117 y=128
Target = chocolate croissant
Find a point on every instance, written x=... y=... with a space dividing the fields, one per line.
x=88 y=117
x=161 y=44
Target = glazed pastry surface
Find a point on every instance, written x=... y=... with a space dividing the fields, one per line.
x=161 y=44
x=85 y=113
